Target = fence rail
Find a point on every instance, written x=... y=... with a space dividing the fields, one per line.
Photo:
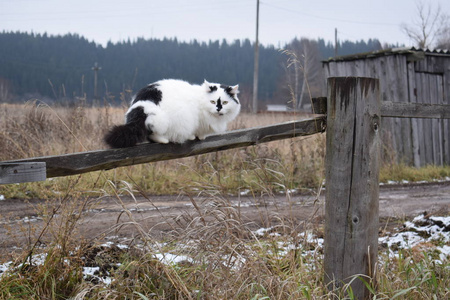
x=16 y=171
x=22 y=172
x=83 y=162
x=415 y=110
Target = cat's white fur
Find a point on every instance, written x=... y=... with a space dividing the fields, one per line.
x=186 y=111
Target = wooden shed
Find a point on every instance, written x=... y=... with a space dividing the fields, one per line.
x=406 y=75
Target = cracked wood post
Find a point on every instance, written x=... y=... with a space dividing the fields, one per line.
x=352 y=183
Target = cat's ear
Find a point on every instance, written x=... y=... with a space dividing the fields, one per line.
x=206 y=85
x=235 y=89
x=209 y=87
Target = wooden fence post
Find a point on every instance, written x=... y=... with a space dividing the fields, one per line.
x=352 y=183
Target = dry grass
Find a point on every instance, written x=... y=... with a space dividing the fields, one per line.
x=38 y=130
x=217 y=254
x=223 y=257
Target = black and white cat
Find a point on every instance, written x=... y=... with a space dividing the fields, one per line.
x=175 y=111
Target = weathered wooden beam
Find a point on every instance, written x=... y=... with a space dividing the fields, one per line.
x=415 y=110
x=319 y=105
x=22 y=172
x=352 y=182
x=78 y=163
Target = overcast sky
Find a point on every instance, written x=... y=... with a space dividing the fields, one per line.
x=280 y=20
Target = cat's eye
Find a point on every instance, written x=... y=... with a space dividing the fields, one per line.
x=213 y=102
x=224 y=102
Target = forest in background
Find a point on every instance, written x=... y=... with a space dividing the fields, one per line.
x=59 y=69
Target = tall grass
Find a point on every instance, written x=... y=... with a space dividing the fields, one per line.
x=39 y=130
x=211 y=253
x=218 y=253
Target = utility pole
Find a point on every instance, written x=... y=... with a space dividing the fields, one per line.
x=96 y=68
x=335 y=42
x=256 y=65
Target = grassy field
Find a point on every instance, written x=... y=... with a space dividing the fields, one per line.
x=38 y=130
x=210 y=255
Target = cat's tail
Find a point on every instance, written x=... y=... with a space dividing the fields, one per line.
x=131 y=133
x=128 y=135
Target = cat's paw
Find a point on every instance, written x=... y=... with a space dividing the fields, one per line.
x=201 y=137
x=159 y=139
x=191 y=138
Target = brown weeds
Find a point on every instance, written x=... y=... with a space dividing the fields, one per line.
x=219 y=255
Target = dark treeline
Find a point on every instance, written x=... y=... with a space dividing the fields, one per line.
x=60 y=67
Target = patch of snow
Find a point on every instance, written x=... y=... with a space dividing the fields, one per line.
x=444 y=253
x=404 y=181
x=30 y=219
x=5 y=267
x=243 y=204
x=91 y=271
x=38 y=259
x=262 y=231
x=122 y=246
x=169 y=258
x=110 y=244
x=421 y=230
x=245 y=192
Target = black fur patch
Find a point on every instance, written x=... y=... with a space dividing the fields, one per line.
x=212 y=88
x=228 y=90
x=219 y=105
x=137 y=115
x=130 y=134
x=149 y=93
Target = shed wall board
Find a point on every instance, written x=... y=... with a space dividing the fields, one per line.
x=404 y=77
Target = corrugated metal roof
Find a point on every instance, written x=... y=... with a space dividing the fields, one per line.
x=391 y=51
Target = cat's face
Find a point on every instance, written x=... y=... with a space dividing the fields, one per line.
x=222 y=100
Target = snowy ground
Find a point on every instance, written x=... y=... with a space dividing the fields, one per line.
x=423 y=233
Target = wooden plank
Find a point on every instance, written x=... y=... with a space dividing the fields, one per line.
x=446 y=98
x=398 y=92
x=319 y=105
x=415 y=110
x=22 y=172
x=78 y=163
x=352 y=181
x=423 y=90
x=437 y=98
x=421 y=122
x=415 y=122
x=445 y=127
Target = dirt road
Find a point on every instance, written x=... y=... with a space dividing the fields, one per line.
x=110 y=218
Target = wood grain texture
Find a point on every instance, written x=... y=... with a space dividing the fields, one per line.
x=412 y=136
x=78 y=163
x=22 y=172
x=415 y=110
x=352 y=179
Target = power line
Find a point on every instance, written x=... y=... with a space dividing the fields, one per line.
x=328 y=19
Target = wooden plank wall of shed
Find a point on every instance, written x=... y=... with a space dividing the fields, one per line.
x=412 y=141
x=392 y=73
x=431 y=82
